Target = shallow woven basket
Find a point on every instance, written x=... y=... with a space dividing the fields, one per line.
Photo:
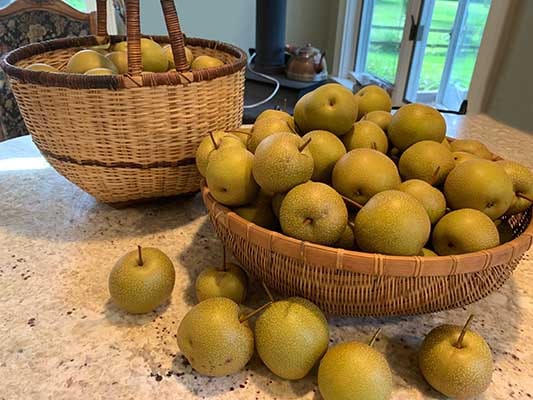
x=133 y=136
x=343 y=282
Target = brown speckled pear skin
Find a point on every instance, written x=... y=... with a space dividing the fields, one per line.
x=361 y=173
x=330 y=107
x=276 y=203
x=462 y=156
x=431 y=198
x=457 y=373
x=480 y=184
x=347 y=239
x=472 y=146
x=464 y=231
x=353 y=371
x=291 y=335
x=522 y=179
x=372 y=98
x=381 y=118
x=216 y=282
x=203 y=62
x=259 y=212
x=140 y=289
x=413 y=123
x=394 y=223
x=264 y=128
x=314 y=212
x=85 y=60
x=326 y=149
x=422 y=159
x=213 y=339
x=276 y=114
x=229 y=176
x=279 y=165
x=206 y=148
x=366 y=135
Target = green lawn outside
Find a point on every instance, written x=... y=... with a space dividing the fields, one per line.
x=382 y=59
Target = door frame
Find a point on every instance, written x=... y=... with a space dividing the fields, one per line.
x=496 y=31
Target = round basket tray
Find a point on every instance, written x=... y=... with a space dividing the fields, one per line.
x=343 y=282
x=132 y=136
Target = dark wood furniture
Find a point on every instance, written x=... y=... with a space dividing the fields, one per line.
x=28 y=21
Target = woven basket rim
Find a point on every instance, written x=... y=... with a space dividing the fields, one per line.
x=79 y=81
x=368 y=263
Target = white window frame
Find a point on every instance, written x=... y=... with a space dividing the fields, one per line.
x=490 y=49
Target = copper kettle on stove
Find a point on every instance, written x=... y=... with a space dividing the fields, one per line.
x=306 y=63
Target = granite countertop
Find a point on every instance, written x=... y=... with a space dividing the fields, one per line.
x=62 y=338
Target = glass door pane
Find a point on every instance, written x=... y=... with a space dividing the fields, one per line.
x=454 y=88
x=429 y=57
x=445 y=55
x=382 y=25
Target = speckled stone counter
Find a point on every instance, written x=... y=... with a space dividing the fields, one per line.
x=61 y=337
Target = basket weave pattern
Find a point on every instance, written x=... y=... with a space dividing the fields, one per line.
x=343 y=282
x=128 y=137
x=134 y=143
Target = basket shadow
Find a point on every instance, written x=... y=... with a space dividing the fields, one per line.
x=197 y=384
x=275 y=387
x=119 y=317
x=497 y=319
x=201 y=252
x=401 y=352
x=205 y=250
x=37 y=200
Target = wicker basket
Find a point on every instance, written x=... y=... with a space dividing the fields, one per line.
x=133 y=136
x=343 y=282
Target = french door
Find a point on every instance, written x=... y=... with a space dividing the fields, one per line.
x=425 y=50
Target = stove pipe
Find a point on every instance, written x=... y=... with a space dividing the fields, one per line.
x=270 y=19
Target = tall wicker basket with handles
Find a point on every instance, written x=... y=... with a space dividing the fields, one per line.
x=127 y=137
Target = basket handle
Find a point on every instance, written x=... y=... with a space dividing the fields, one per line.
x=133 y=27
x=101 y=17
x=133 y=31
x=177 y=41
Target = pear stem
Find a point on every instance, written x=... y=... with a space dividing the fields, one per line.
x=525 y=197
x=293 y=130
x=373 y=339
x=303 y=146
x=254 y=312
x=224 y=267
x=213 y=140
x=267 y=290
x=459 y=343
x=284 y=104
x=352 y=202
x=435 y=176
x=308 y=221
x=139 y=250
x=374 y=146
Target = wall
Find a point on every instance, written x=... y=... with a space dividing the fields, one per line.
x=233 y=21
x=511 y=98
x=315 y=22
x=230 y=21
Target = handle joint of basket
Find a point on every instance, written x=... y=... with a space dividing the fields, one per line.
x=133 y=31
